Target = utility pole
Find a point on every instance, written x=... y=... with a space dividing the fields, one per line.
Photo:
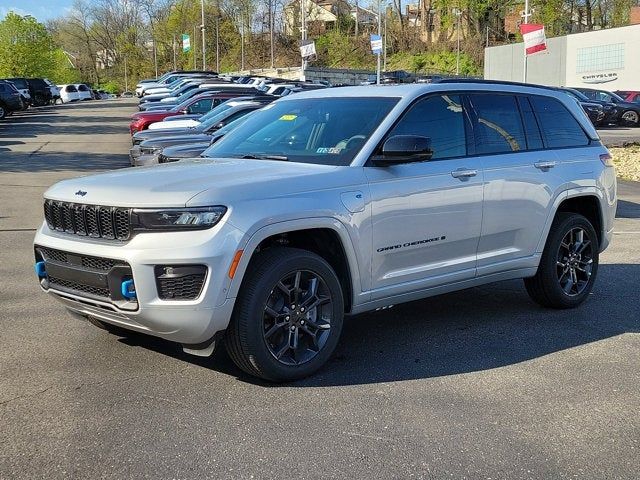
x=487 y=42
x=195 y=57
x=218 y=42
x=204 y=47
x=271 y=23
x=303 y=22
x=526 y=20
x=155 y=56
x=458 y=13
x=175 y=64
x=126 y=79
x=384 y=43
x=357 y=8
x=242 y=42
x=379 y=35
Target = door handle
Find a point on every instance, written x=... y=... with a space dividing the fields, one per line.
x=544 y=165
x=464 y=173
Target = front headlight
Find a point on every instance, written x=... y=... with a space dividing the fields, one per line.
x=176 y=219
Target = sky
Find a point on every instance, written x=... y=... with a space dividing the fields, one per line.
x=43 y=10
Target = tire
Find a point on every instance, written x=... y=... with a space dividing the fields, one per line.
x=630 y=118
x=3 y=112
x=571 y=253
x=266 y=323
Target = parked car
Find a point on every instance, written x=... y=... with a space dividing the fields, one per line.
x=10 y=99
x=126 y=95
x=22 y=85
x=609 y=109
x=397 y=76
x=68 y=93
x=55 y=91
x=632 y=96
x=40 y=92
x=176 y=153
x=629 y=112
x=84 y=92
x=330 y=203
x=164 y=138
x=188 y=121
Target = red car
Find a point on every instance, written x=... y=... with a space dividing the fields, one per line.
x=198 y=104
x=632 y=96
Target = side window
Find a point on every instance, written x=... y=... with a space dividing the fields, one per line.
x=559 y=128
x=441 y=119
x=201 y=106
x=2 y=88
x=497 y=125
x=603 y=96
x=531 y=129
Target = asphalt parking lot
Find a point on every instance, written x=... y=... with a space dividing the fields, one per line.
x=477 y=384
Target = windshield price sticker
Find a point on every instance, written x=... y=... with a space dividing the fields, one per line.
x=332 y=150
x=288 y=118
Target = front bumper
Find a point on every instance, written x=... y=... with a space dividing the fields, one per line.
x=183 y=321
x=147 y=159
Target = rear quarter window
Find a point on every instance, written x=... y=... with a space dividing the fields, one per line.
x=558 y=126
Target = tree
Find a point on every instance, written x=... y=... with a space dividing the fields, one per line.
x=26 y=48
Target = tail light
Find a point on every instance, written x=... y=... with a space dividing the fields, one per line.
x=606 y=159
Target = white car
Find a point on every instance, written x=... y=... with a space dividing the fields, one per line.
x=68 y=93
x=55 y=91
x=192 y=123
x=84 y=92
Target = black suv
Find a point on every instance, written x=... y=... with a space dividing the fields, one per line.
x=630 y=112
x=40 y=92
x=10 y=99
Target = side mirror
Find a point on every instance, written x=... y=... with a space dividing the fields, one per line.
x=185 y=111
x=404 y=149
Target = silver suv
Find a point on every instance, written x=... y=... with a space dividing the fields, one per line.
x=336 y=202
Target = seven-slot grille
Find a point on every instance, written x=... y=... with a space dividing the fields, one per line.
x=88 y=220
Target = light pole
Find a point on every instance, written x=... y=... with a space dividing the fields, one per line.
x=218 y=42
x=204 y=48
x=526 y=20
x=379 y=36
x=458 y=13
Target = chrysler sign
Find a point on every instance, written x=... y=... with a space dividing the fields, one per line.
x=599 y=77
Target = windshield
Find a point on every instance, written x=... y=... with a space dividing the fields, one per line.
x=310 y=130
x=226 y=129
x=616 y=96
x=579 y=95
x=214 y=112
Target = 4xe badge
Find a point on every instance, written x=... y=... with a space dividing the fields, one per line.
x=81 y=193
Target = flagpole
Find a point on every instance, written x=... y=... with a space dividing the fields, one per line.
x=524 y=49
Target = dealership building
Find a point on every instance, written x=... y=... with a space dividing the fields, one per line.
x=607 y=59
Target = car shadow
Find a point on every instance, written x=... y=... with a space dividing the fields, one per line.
x=628 y=209
x=477 y=329
x=21 y=162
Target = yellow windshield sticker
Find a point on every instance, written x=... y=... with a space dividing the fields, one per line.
x=288 y=118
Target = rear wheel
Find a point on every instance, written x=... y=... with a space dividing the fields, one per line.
x=569 y=263
x=288 y=317
x=630 y=118
x=3 y=112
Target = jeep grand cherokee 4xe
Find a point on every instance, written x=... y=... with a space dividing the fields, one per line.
x=334 y=202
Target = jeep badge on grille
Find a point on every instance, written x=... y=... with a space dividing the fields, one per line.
x=81 y=193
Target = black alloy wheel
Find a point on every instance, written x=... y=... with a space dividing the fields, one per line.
x=569 y=263
x=575 y=261
x=288 y=316
x=297 y=317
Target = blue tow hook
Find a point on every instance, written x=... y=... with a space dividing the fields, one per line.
x=128 y=289
x=40 y=269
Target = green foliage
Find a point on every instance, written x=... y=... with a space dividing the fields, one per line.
x=336 y=50
x=433 y=62
x=110 y=87
x=62 y=72
x=26 y=49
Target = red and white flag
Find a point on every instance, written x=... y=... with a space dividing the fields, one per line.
x=533 y=36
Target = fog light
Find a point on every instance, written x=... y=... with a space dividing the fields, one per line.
x=40 y=269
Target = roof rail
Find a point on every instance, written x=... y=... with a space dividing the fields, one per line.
x=490 y=82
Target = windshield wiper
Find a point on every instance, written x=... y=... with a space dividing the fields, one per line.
x=282 y=158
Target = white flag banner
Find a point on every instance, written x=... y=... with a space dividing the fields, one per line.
x=533 y=37
x=308 y=50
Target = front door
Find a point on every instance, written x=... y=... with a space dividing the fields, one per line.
x=427 y=216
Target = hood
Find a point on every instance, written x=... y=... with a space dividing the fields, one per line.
x=177 y=184
x=143 y=135
x=169 y=140
x=190 y=150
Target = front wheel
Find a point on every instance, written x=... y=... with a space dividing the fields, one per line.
x=288 y=316
x=3 y=112
x=569 y=263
